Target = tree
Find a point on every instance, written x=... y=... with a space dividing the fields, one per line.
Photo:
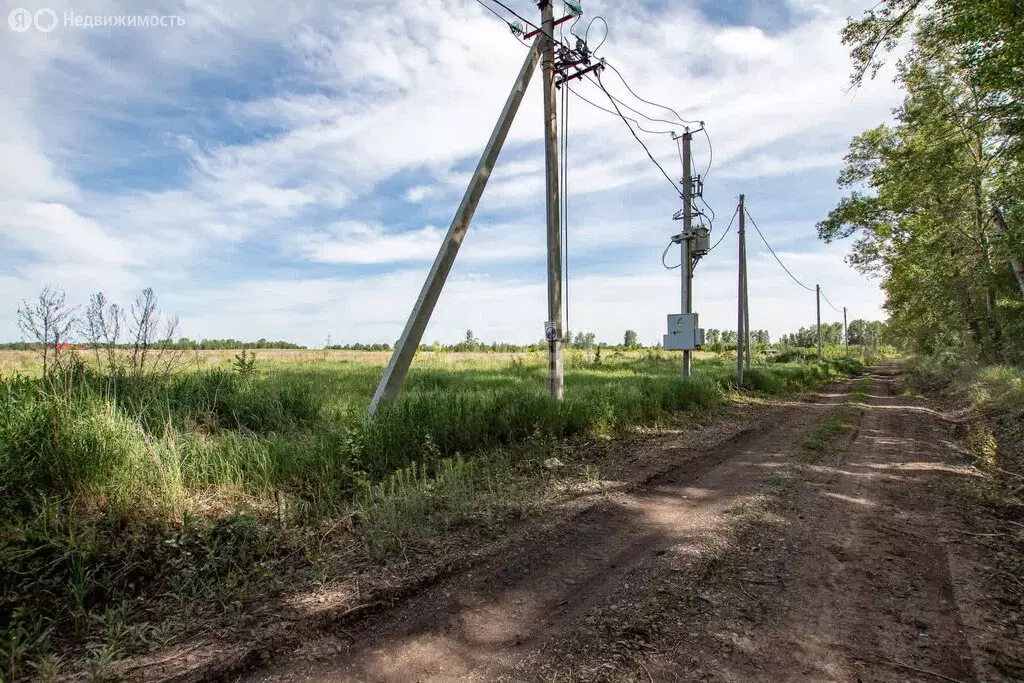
x=584 y=340
x=936 y=199
x=924 y=224
x=629 y=339
x=152 y=337
x=50 y=322
x=713 y=336
x=103 y=321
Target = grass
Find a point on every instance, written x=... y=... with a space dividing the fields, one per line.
x=824 y=436
x=994 y=436
x=203 y=488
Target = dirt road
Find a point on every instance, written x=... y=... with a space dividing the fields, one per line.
x=755 y=560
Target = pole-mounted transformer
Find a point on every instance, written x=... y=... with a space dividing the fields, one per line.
x=684 y=331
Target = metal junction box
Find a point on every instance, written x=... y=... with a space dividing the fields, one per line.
x=683 y=333
x=701 y=242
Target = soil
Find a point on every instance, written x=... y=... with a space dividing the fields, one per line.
x=720 y=554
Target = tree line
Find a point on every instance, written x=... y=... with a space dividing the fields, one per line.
x=934 y=200
x=54 y=327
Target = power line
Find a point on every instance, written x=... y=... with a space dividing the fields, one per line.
x=494 y=12
x=693 y=169
x=633 y=132
x=653 y=104
x=726 y=233
x=586 y=34
x=828 y=302
x=637 y=112
x=664 y=254
x=711 y=150
x=516 y=14
x=609 y=111
x=754 y=223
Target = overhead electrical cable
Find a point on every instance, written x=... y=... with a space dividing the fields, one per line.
x=494 y=12
x=711 y=150
x=754 y=223
x=516 y=15
x=653 y=104
x=828 y=302
x=609 y=111
x=652 y=119
x=726 y=233
x=586 y=35
x=637 y=137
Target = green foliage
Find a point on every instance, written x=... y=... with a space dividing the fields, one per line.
x=245 y=363
x=935 y=200
x=190 y=484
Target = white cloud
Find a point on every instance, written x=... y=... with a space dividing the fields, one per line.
x=347 y=120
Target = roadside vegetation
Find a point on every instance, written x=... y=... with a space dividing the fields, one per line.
x=935 y=206
x=144 y=487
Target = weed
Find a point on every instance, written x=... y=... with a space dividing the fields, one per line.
x=824 y=436
x=183 y=490
x=245 y=363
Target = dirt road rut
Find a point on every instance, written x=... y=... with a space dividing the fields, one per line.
x=746 y=562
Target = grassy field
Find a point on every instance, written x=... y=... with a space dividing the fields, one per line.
x=116 y=487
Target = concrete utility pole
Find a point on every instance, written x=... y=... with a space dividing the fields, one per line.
x=746 y=302
x=817 y=293
x=740 y=308
x=405 y=349
x=846 y=335
x=553 y=330
x=687 y=269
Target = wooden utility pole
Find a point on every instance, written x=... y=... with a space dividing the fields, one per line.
x=846 y=335
x=556 y=379
x=405 y=349
x=817 y=293
x=740 y=290
x=687 y=269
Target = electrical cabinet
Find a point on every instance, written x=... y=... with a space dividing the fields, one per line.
x=683 y=333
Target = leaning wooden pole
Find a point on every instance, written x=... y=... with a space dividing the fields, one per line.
x=394 y=375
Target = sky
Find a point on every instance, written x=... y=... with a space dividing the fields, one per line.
x=288 y=170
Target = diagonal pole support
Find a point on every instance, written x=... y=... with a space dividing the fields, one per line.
x=394 y=375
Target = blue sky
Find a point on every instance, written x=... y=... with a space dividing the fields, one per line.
x=288 y=170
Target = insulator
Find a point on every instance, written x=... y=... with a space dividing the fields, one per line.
x=517 y=29
x=575 y=8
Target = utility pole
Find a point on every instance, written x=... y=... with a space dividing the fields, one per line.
x=405 y=348
x=553 y=329
x=684 y=332
x=846 y=335
x=746 y=304
x=687 y=269
x=740 y=290
x=817 y=293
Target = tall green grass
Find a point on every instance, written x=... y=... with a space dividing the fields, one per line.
x=109 y=484
x=150 y=444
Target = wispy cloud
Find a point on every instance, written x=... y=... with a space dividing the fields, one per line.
x=275 y=170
